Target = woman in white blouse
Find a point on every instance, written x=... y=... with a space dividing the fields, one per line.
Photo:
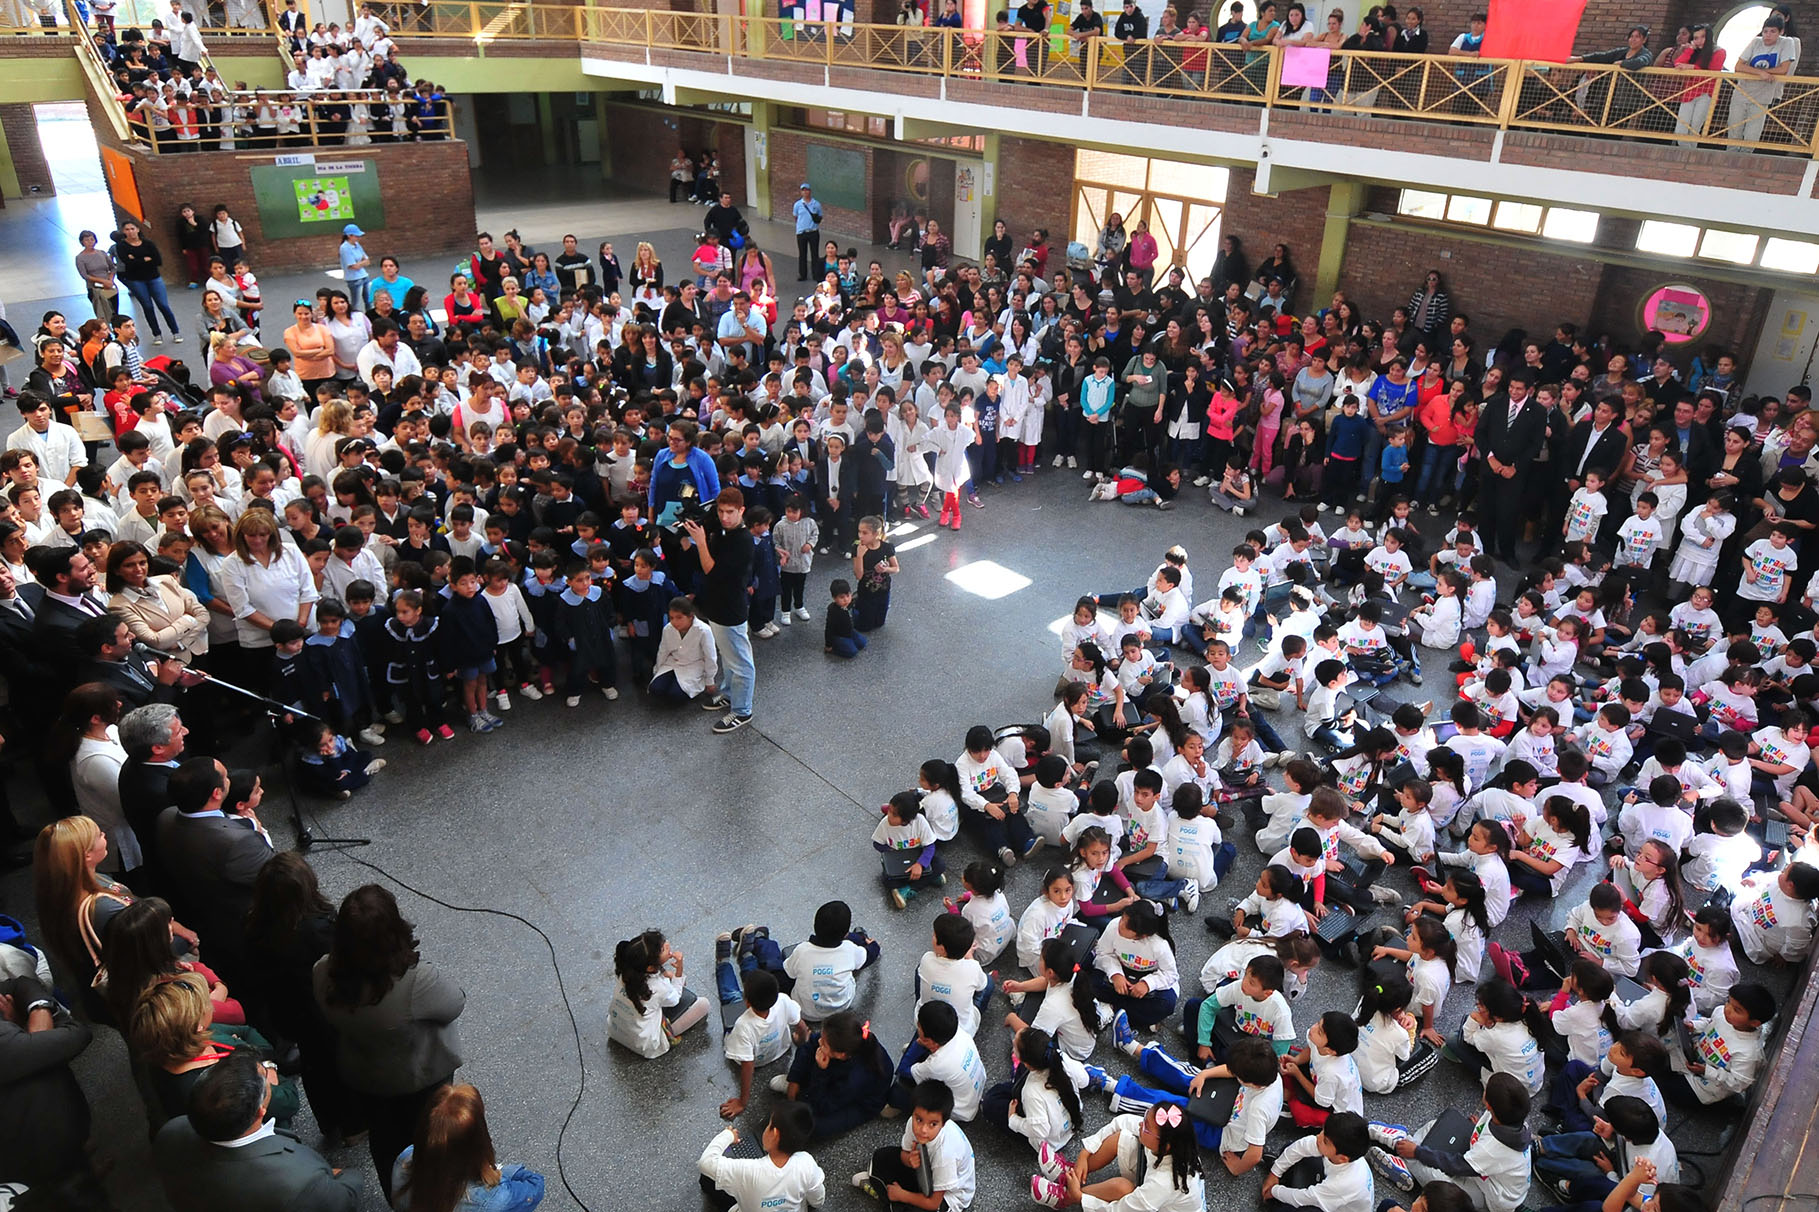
x=214 y=547
x=159 y=612
x=334 y=421
x=91 y=714
x=265 y=580
x=351 y=331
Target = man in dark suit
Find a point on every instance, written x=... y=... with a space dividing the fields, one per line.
x=1596 y=443
x=225 y=1156
x=210 y=859
x=25 y=670
x=1698 y=453
x=132 y=671
x=68 y=580
x=1510 y=431
x=153 y=737
x=44 y=1117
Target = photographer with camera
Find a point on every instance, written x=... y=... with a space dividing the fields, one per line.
x=725 y=550
x=682 y=480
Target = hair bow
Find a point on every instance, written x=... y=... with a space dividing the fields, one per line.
x=1169 y=1116
x=865 y=1029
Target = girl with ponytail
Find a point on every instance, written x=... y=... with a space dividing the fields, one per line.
x=1069 y=1012
x=1042 y=1103
x=650 y=1006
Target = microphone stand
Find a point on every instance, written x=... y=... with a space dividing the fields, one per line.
x=280 y=715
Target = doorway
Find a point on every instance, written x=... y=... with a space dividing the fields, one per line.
x=1181 y=202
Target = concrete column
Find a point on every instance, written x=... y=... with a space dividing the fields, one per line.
x=1345 y=201
x=989 y=189
x=546 y=127
x=758 y=166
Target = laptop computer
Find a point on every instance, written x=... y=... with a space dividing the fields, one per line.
x=1683 y=1035
x=1628 y=990
x=1213 y=1105
x=1336 y=924
x=898 y=862
x=1079 y=941
x=1553 y=948
x=1451 y=1133
x=1677 y=724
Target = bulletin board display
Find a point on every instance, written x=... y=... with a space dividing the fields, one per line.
x=317 y=198
x=838 y=175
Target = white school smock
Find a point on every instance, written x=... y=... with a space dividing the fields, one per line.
x=956 y=1065
x=825 y=976
x=642 y=1030
x=1148 y=959
x=1040 y=1116
x=1469 y=942
x=1061 y=1018
x=939 y=807
x=1342 y=1188
x=1771 y=923
x=993 y=925
x=953 y=981
x=1587 y=1035
x=1192 y=847
x=950 y=1164
x=1383 y=1044
x=1510 y=1048
x=757 y=1184
x=1041 y=921
x=1048 y=810
x=763 y=1038
x=1253 y=1115
x=1617 y=946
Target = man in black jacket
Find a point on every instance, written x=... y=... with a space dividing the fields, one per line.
x=44 y=1117
x=210 y=860
x=720 y=599
x=1510 y=431
x=153 y=737
x=1596 y=443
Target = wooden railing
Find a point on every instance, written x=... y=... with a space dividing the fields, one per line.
x=271 y=121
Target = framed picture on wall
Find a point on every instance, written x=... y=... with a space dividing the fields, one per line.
x=1678 y=311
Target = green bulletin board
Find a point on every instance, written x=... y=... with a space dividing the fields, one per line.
x=838 y=175
x=317 y=196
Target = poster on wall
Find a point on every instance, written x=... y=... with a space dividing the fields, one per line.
x=1677 y=311
x=122 y=183
x=324 y=199
x=317 y=198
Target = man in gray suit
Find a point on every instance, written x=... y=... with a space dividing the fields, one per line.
x=225 y=1156
x=210 y=859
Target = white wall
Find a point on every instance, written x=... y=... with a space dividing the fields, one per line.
x=1788 y=333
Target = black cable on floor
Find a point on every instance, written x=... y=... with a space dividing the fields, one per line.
x=574 y=1025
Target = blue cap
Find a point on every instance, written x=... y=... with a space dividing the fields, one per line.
x=352 y=229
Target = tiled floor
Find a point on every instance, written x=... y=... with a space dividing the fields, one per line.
x=597 y=822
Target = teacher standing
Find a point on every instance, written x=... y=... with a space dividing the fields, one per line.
x=808 y=230
x=1511 y=428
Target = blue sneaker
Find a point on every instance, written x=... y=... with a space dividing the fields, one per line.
x=1122 y=1035
x=1016 y=478
x=1097 y=1078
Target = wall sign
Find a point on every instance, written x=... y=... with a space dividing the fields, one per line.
x=1678 y=311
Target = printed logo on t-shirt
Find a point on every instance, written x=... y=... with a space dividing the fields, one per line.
x=1762 y=914
x=1252 y=1023
x=1713 y=1050
x=1595 y=941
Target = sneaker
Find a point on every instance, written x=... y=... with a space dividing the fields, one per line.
x=493 y=721
x=785 y=618
x=922 y=512
x=502 y=701
x=368 y=736
x=611 y=693
x=780 y=1083
x=890 y=1113
x=1098 y=1079
x=1433 y=511
x=344 y=794
x=1202 y=481
x=445 y=732
x=1072 y=462
x=425 y=736
x=767 y=631
x=1222 y=926
x=1047 y=1191
x=715 y=702
x=900 y=897
x=723 y=947
x=1057 y=461
x=375 y=766
x=1392 y=1169
x=157 y=340
x=1386 y=896
x=1190 y=896
x=1036 y=844
x=975 y=502
x=731 y=723
x=1360 y=498
x=1016 y=477
x=573 y=700
x=1007 y=856
x=864 y=1181
x=1016 y=999
x=1089 y=475
x=1165 y=506
x=1051 y=1163
x=801 y=612
x=394 y=717
x=1122 y=1035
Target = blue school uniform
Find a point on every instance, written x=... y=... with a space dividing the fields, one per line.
x=338 y=678
x=344 y=770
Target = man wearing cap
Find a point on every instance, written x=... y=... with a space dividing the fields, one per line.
x=808 y=230
x=353 y=266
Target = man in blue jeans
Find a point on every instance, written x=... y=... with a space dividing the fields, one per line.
x=726 y=567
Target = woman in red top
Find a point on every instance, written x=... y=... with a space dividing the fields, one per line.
x=1142 y=253
x=1220 y=413
x=1434 y=413
x=1702 y=54
x=463 y=305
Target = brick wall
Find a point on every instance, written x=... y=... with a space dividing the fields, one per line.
x=428 y=193
x=789 y=168
x=21 y=126
x=1035 y=188
x=642 y=141
x=1296 y=218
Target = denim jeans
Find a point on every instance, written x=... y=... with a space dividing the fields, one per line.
x=849 y=646
x=1432 y=483
x=356 y=291
x=738 y=675
x=151 y=299
x=1567 y=1157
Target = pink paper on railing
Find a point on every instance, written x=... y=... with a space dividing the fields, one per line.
x=814 y=10
x=1305 y=66
x=1023 y=53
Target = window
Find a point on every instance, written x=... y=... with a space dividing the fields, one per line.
x=1579 y=226
x=1518 y=216
x=1667 y=239
x=1419 y=204
x=1732 y=246
x=1790 y=256
x=1462 y=208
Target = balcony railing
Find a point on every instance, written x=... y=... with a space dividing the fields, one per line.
x=271 y=121
x=1711 y=109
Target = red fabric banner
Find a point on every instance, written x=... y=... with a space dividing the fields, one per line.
x=1532 y=29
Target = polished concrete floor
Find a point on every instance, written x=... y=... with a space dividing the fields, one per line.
x=597 y=822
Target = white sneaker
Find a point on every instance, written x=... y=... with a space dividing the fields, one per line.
x=612 y=694
x=1087 y=476
x=157 y=340
x=1202 y=481
x=1190 y=896
x=802 y=613
x=394 y=717
x=1007 y=856
x=1057 y=461
x=502 y=701
x=530 y=692
x=1072 y=462
x=780 y=1083
x=767 y=631
x=375 y=766
x=573 y=700
x=785 y=618
x=368 y=736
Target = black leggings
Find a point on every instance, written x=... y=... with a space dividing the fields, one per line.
x=793 y=585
